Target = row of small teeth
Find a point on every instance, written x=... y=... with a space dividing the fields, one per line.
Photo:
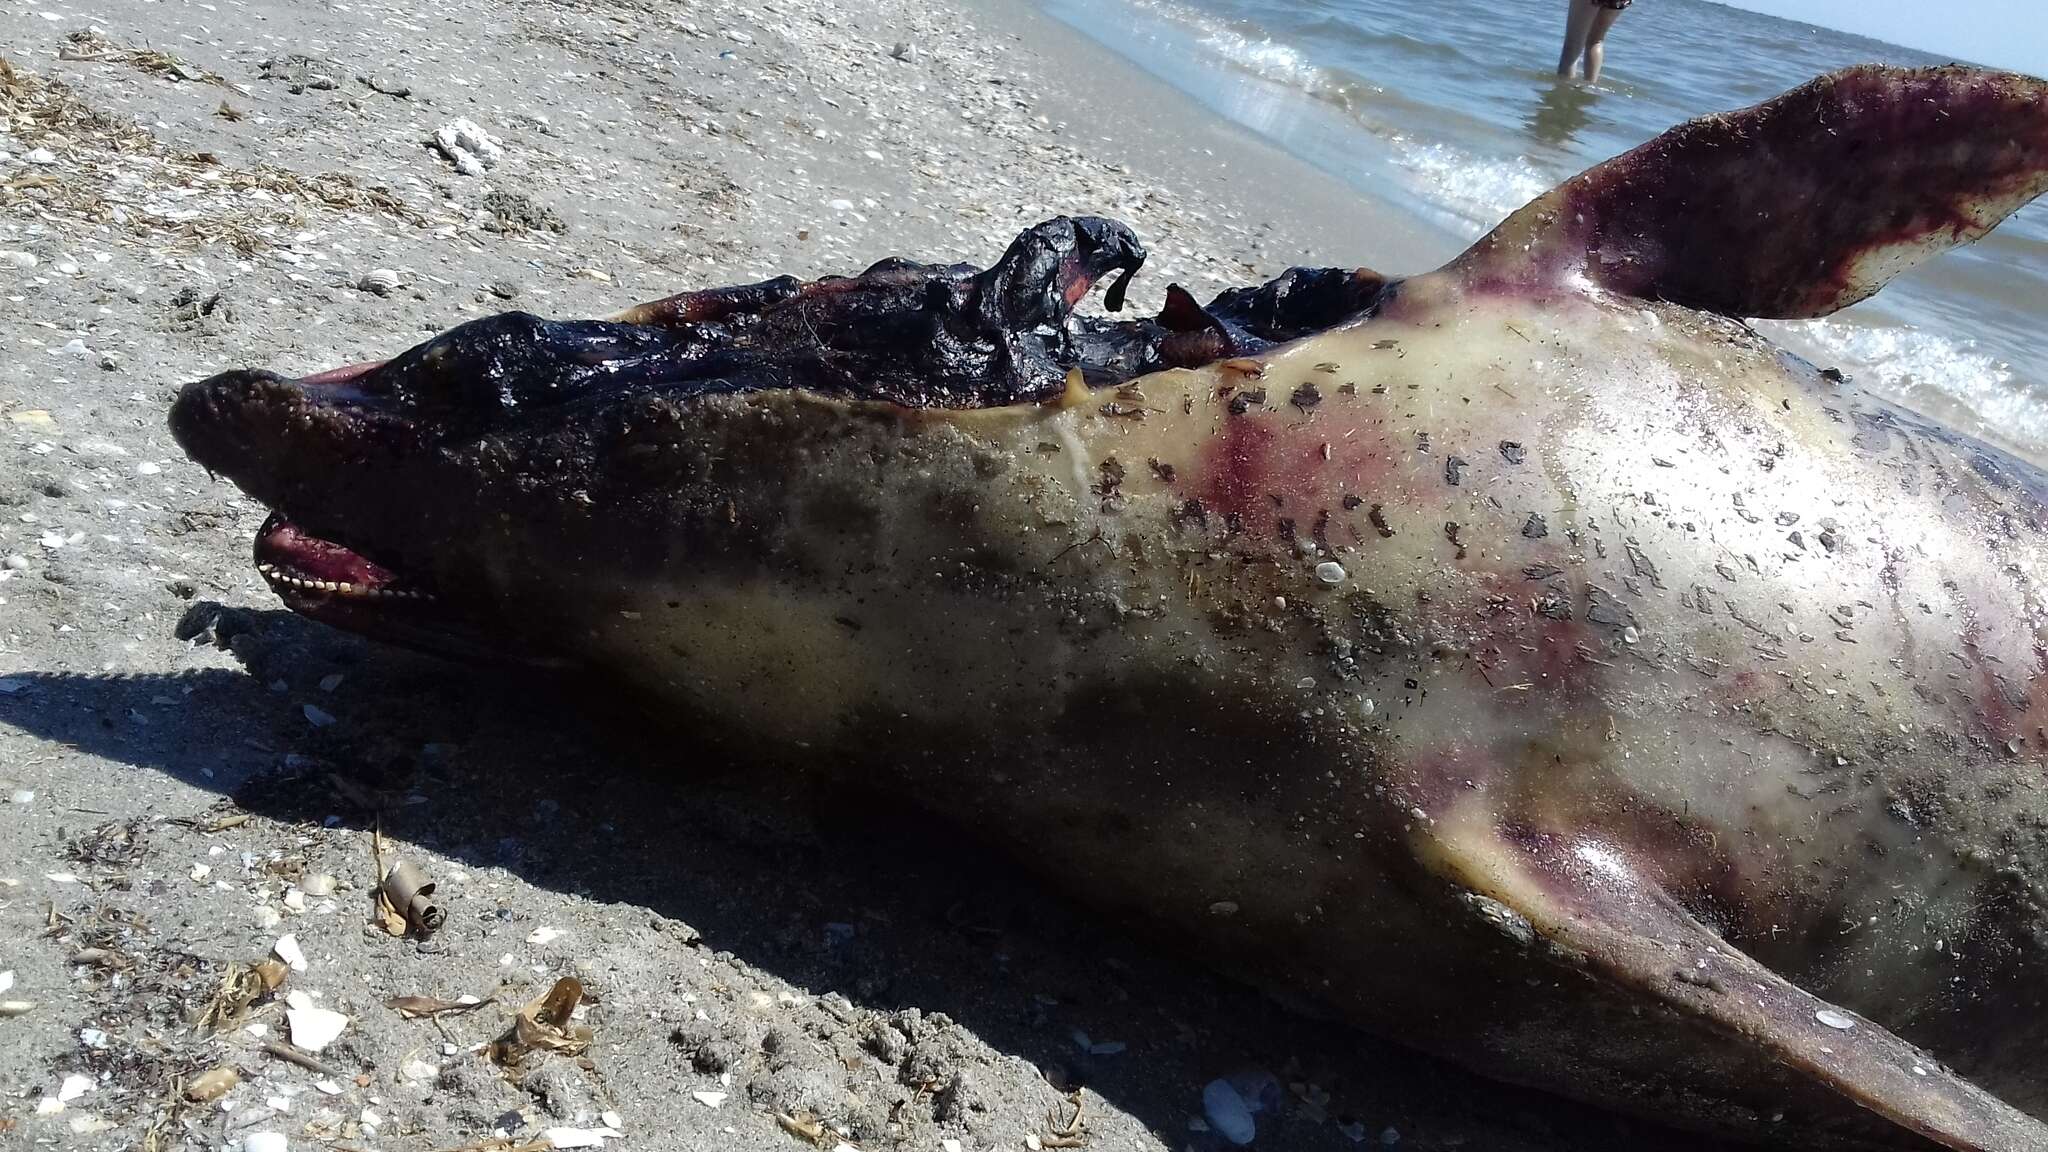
x=275 y=575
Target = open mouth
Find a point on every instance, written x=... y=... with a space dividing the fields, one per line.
x=294 y=561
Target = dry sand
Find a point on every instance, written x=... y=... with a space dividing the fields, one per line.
x=183 y=765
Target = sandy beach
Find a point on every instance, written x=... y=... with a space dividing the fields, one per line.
x=188 y=773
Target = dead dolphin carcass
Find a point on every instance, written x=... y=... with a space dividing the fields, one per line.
x=1526 y=659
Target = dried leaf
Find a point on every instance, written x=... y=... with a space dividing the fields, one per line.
x=212 y=1084
x=545 y=1024
x=418 y=1007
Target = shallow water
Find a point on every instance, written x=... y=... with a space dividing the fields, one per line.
x=1451 y=112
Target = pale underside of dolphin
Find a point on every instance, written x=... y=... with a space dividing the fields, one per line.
x=1525 y=659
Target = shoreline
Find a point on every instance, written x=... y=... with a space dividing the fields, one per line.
x=1114 y=101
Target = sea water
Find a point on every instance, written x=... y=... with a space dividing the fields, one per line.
x=1451 y=112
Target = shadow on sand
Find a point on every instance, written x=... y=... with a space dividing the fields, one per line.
x=565 y=791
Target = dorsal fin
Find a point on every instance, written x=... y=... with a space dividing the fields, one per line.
x=1795 y=207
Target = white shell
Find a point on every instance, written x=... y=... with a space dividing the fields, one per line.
x=382 y=281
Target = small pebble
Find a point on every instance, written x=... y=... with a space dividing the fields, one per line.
x=1330 y=572
x=1227 y=1113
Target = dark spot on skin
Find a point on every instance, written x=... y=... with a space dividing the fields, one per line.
x=847 y=622
x=1243 y=401
x=1192 y=509
x=1351 y=502
x=1454 y=470
x=1379 y=520
x=1642 y=566
x=1321 y=533
x=1603 y=608
x=1422 y=441
x=1305 y=397
x=1286 y=527
x=1162 y=470
x=1512 y=452
x=1829 y=540
x=1798 y=540
x=1540 y=571
x=1553 y=606
x=1787 y=519
x=1347 y=388
x=1834 y=374
x=1534 y=527
x=1451 y=530
x=1110 y=487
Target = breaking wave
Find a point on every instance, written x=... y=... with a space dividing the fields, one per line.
x=1946 y=377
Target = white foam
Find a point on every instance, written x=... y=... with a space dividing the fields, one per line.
x=1925 y=370
x=1261 y=56
x=1477 y=192
x=1265 y=58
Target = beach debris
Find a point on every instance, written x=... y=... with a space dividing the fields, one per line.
x=543 y=935
x=513 y=213
x=466 y=145
x=803 y=1125
x=545 y=1024
x=74 y=1086
x=241 y=986
x=1071 y=1132
x=291 y=1055
x=386 y=84
x=407 y=892
x=212 y=1084
x=89 y=46
x=318 y=884
x=905 y=51
x=710 y=1099
x=427 y=1007
x=264 y=1142
x=299 y=72
x=378 y=282
x=312 y=1027
x=287 y=949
